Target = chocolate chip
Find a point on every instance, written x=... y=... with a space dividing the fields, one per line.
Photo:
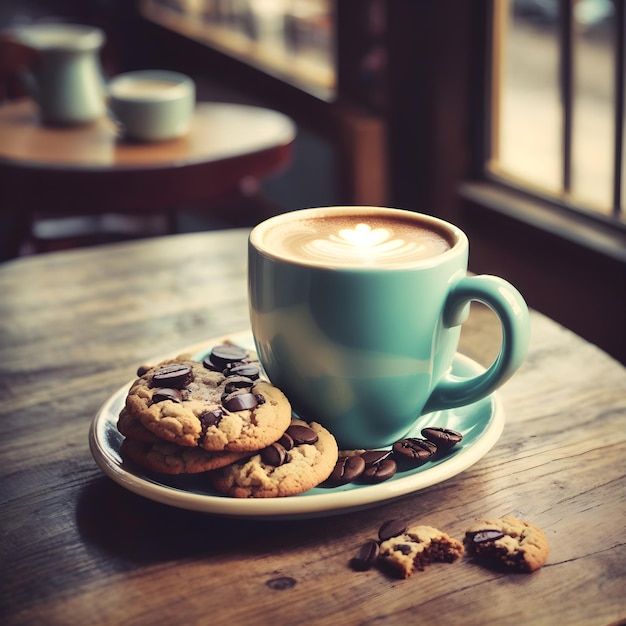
x=379 y=472
x=238 y=382
x=211 y=417
x=221 y=356
x=366 y=556
x=404 y=548
x=301 y=434
x=442 y=437
x=414 y=450
x=391 y=528
x=176 y=375
x=483 y=536
x=206 y=361
x=282 y=583
x=286 y=441
x=242 y=369
x=143 y=369
x=374 y=456
x=240 y=401
x=274 y=455
x=160 y=395
x=347 y=469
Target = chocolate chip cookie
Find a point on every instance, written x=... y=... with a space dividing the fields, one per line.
x=169 y=458
x=415 y=548
x=132 y=428
x=507 y=544
x=302 y=458
x=197 y=404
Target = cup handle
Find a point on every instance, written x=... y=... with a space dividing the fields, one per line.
x=508 y=304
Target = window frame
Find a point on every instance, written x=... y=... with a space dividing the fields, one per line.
x=533 y=205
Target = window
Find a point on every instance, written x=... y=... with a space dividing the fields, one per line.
x=557 y=125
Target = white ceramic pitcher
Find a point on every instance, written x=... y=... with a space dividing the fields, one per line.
x=66 y=80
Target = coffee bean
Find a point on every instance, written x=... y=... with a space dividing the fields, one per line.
x=443 y=438
x=301 y=434
x=238 y=382
x=379 y=472
x=176 y=375
x=414 y=450
x=242 y=369
x=160 y=395
x=347 y=469
x=221 y=356
x=240 y=401
x=372 y=457
x=391 y=528
x=366 y=556
x=274 y=455
x=483 y=536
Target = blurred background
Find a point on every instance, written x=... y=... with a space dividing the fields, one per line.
x=503 y=116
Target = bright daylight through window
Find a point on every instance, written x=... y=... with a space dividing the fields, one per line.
x=558 y=100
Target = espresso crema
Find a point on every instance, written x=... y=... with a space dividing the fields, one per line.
x=354 y=240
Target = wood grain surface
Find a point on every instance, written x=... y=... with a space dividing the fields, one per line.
x=76 y=548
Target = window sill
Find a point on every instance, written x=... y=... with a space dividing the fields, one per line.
x=603 y=239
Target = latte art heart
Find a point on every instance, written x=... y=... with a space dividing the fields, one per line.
x=360 y=240
x=362 y=243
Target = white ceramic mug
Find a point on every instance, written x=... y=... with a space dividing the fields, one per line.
x=152 y=105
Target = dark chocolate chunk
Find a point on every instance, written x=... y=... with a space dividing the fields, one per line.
x=274 y=455
x=238 y=382
x=175 y=376
x=379 y=472
x=391 y=528
x=160 y=395
x=242 y=369
x=366 y=556
x=221 y=356
x=301 y=434
x=414 y=450
x=240 y=401
x=483 y=536
x=211 y=417
x=443 y=438
x=286 y=441
x=347 y=469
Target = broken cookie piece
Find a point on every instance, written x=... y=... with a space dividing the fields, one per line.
x=417 y=547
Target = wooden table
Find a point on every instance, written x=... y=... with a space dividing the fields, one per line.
x=90 y=169
x=77 y=548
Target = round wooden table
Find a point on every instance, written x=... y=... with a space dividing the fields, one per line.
x=78 y=548
x=91 y=169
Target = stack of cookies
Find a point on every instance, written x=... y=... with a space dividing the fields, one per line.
x=218 y=416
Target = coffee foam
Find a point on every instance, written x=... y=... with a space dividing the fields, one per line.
x=359 y=240
x=144 y=88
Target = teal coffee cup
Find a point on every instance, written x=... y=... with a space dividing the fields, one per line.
x=356 y=314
